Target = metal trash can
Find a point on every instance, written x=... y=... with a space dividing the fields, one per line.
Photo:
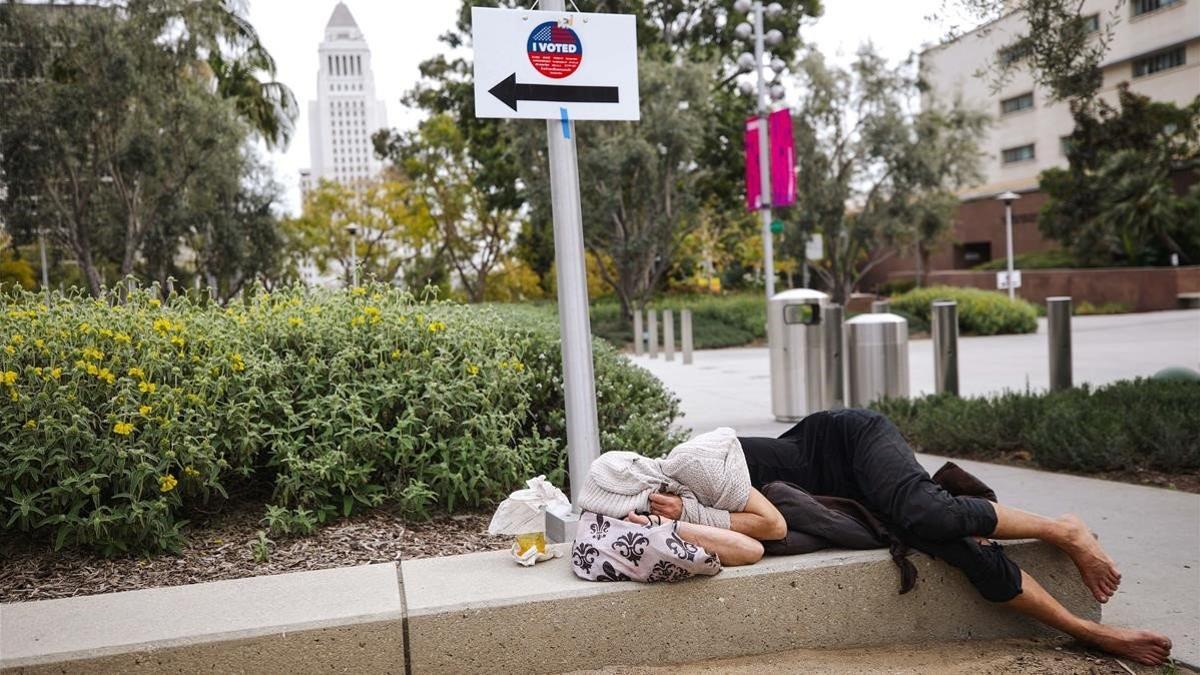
x=876 y=358
x=795 y=334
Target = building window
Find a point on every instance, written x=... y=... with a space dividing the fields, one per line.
x=1091 y=23
x=976 y=253
x=1014 y=52
x=1145 y=6
x=1016 y=103
x=1018 y=154
x=1148 y=65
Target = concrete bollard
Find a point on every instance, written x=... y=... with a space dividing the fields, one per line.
x=685 y=329
x=945 y=347
x=835 y=369
x=639 y=340
x=652 y=333
x=1058 y=328
x=881 y=306
x=669 y=334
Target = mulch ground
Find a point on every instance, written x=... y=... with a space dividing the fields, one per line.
x=219 y=547
x=1184 y=481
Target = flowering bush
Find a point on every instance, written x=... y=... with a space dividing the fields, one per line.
x=116 y=420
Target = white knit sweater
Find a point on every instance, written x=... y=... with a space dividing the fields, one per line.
x=708 y=472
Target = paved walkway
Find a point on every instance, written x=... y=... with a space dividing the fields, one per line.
x=1153 y=534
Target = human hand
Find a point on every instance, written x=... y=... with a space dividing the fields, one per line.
x=636 y=518
x=666 y=505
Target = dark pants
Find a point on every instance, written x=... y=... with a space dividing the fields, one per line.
x=860 y=455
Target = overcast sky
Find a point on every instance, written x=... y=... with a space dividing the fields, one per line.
x=402 y=33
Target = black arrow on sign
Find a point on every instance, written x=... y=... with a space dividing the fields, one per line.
x=510 y=91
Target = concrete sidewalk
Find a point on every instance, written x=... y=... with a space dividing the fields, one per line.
x=1154 y=534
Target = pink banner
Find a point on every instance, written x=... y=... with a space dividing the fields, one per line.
x=782 y=158
x=753 y=182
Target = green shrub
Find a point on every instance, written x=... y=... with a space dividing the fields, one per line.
x=1125 y=425
x=1086 y=308
x=980 y=312
x=119 y=420
x=717 y=320
x=896 y=287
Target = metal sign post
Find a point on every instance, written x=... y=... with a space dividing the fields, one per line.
x=561 y=67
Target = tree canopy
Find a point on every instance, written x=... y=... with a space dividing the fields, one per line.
x=1131 y=191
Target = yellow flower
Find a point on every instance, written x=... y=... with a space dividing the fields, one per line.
x=39 y=343
x=37 y=371
x=31 y=424
x=155 y=303
x=147 y=387
x=92 y=369
x=9 y=349
x=17 y=339
x=137 y=372
x=190 y=472
x=106 y=332
x=358 y=320
x=144 y=410
x=106 y=375
x=122 y=338
x=472 y=369
x=167 y=483
x=10 y=377
x=123 y=428
x=56 y=373
x=295 y=321
x=93 y=354
x=236 y=364
x=178 y=341
x=395 y=354
x=358 y=290
x=436 y=326
x=85 y=328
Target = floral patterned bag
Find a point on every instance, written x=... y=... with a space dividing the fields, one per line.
x=609 y=549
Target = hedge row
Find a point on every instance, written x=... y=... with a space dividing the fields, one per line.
x=980 y=312
x=117 y=420
x=1131 y=424
x=717 y=321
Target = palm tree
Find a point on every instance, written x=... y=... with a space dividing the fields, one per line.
x=268 y=106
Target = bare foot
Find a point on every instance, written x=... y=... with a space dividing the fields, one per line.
x=1145 y=647
x=1099 y=572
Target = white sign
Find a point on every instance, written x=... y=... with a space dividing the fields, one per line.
x=814 y=248
x=554 y=65
x=1002 y=279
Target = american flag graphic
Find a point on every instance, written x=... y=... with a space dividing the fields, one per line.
x=550 y=33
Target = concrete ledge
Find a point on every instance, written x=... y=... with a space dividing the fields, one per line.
x=480 y=613
x=346 y=619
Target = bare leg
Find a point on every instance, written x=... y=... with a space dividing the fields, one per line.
x=731 y=547
x=1069 y=533
x=1143 y=646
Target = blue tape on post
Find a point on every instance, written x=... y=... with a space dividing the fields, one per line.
x=566 y=122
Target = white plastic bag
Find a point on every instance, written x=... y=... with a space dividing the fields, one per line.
x=523 y=515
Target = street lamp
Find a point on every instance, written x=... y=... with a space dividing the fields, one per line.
x=352 y=230
x=747 y=61
x=1008 y=198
